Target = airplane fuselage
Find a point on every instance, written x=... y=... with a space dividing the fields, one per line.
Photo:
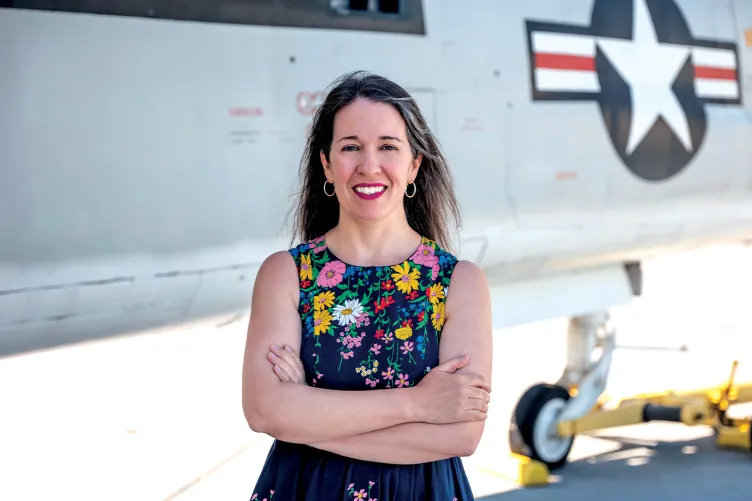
x=146 y=165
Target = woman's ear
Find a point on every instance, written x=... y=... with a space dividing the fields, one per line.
x=415 y=166
x=327 y=166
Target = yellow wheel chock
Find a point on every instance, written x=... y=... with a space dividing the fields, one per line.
x=706 y=406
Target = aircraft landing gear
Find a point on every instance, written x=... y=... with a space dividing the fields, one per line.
x=534 y=429
x=549 y=416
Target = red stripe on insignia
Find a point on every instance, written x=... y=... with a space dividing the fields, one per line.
x=715 y=73
x=564 y=62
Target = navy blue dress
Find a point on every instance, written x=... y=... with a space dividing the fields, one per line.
x=365 y=327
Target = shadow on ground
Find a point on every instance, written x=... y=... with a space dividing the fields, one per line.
x=684 y=470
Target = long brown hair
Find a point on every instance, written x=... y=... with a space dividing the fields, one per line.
x=434 y=204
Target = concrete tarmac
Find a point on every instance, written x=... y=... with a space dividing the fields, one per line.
x=157 y=417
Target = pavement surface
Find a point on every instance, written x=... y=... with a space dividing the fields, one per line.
x=157 y=416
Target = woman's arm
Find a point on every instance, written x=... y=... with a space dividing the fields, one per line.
x=409 y=443
x=298 y=413
x=467 y=331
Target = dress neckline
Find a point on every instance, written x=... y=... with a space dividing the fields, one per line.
x=423 y=241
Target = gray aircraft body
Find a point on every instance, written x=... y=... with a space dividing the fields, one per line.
x=149 y=150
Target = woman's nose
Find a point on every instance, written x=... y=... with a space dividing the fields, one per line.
x=370 y=163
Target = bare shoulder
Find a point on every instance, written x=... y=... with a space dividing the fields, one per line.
x=468 y=329
x=468 y=274
x=274 y=320
x=274 y=315
x=280 y=262
x=277 y=276
x=469 y=288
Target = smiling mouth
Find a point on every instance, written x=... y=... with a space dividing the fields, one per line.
x=369 y=190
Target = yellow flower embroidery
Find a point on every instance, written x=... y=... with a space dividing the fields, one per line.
x=437 y=317
x=405 y=279
x=306 y=272
x=323 y=300
x=403 y=333
x=321 y=321
x=435 y=293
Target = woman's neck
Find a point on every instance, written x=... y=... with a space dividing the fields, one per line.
x=373 y=243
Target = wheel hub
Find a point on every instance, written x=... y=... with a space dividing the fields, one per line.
x=551 y=447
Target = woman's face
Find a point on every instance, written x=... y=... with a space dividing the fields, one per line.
x=371 y=163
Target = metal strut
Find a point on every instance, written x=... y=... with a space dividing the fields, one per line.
x=585 y=378
x=548 y=417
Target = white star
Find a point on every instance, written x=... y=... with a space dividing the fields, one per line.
x=650 y=69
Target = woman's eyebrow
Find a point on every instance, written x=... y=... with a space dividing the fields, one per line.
x=382 y=138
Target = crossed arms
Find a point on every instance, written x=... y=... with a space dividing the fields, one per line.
x=443 y=416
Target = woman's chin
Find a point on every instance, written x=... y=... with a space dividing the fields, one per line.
x=370 y=214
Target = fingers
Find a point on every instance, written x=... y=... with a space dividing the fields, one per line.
x=282 y=369
x=475 y=380
x=477 y=399
x=478 y=404
x=286 y=367
x=282 y=374
x=289 y=363
x=472 y=414
x=477 y=415
x=296 y=358
x=475 y=409
x=453 y=364
x=480 y=394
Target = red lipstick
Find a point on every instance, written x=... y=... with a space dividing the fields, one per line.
x=370 y=194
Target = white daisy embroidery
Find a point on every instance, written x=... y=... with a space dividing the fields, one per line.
x=346 y=314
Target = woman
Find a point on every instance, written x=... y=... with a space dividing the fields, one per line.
x=363 y=304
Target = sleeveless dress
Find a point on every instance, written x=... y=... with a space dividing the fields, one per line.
x=365 y=327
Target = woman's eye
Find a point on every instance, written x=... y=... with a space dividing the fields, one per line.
x=352 y=147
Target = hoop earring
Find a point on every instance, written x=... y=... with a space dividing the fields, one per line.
x=325 y=192
x=415 y=189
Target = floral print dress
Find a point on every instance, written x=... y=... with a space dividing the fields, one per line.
x=365 y=327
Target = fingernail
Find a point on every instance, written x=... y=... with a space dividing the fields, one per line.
x=288 y=348
x=274 y=355
x=275 y=347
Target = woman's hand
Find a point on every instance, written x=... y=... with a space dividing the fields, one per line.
x=287 y=365
x=445 y=397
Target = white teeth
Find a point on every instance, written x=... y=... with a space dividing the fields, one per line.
x=370 y=190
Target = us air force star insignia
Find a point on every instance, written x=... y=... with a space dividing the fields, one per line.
x=651 y=78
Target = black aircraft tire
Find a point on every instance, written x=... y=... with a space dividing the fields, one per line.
x=517 y=443
x=522 y=430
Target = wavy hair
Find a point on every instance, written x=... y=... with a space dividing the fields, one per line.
x=433 y=212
